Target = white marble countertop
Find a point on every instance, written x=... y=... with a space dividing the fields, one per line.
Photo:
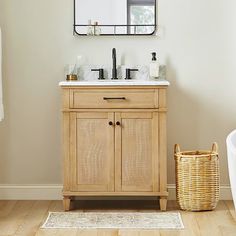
x=156 y=82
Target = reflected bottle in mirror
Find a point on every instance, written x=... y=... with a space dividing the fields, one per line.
x=97 y=29
x=90 y=30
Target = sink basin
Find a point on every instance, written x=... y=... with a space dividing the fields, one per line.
x=157 y=82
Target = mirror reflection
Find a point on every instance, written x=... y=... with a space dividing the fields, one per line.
x=115 y=17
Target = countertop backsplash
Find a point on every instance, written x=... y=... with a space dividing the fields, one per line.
x=84 y=72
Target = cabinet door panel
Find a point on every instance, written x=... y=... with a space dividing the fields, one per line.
x=92 y=151
x=137 y=152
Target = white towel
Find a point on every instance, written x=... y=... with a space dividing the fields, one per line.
x=1 y=101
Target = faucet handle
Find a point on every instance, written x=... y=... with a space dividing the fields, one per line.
x=128 y=70
x=101 y=73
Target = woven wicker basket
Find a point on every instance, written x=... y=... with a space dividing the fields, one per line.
x=197 y=179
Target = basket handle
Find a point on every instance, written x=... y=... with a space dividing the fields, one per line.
x=214 y=147
x=176 y=148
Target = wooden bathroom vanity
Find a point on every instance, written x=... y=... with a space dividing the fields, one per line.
x=114 y=139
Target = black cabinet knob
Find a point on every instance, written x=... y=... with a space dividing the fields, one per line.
x=117 y=123
x=110 y=123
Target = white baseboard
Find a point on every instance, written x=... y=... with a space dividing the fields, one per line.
x=30 y=192
x=53 y=192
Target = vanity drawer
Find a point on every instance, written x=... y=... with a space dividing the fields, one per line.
x=119 y=98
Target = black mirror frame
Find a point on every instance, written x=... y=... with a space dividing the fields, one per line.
x=153 y=33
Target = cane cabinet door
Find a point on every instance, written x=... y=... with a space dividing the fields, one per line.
x=92 y=151
x=136 y=151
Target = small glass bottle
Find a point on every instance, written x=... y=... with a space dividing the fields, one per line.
x=154 y=66
x=97 y=29
x=90 y=30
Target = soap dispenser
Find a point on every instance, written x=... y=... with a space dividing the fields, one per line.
x=154 y=66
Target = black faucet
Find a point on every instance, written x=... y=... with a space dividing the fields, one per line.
x=114 y=69
x=101 y=73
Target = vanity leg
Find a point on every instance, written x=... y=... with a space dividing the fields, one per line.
x=67 y=203
x=163 y=203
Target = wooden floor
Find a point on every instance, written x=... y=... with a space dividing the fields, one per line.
x=23 y=218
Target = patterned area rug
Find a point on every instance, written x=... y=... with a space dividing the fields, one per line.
x=113 y=220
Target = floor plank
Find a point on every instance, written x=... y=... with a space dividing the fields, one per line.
x=56 y=232
x=12 y=221
x=206 y=224
x=129 y=232
x=149 y=233
x=227 y=231
x=231 y=208
x=34 y=219
x=6 y=207
x=24 y=218
x=107 y=232
x=223 y=216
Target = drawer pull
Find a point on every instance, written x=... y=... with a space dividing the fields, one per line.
x=115 y=98
x=110 y=123
x=117 y=123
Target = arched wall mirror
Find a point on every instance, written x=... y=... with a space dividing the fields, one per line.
x=115 y=17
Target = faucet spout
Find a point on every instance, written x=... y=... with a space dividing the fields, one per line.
x=114 y=69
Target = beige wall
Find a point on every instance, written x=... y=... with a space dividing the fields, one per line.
x=197 y=44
